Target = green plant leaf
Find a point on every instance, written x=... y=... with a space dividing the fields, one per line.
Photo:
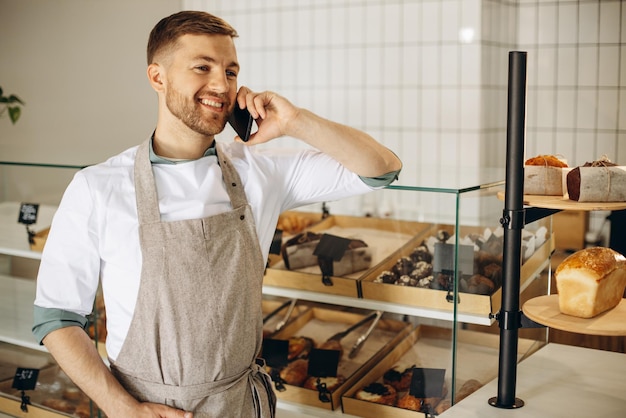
x=14 y=99
x=14 y=113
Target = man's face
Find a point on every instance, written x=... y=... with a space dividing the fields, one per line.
x=202 y=82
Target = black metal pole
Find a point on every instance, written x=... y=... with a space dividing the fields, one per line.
x=513 y=223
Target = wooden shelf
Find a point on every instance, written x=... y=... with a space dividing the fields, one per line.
x=545 y=310
x=564 y=203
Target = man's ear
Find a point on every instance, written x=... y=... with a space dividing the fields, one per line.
x=156 y=76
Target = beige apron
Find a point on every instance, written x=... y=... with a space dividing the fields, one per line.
x=197 y=325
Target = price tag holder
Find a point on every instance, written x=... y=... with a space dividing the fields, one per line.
x=28 y=213
x=427 y=383
x=277 y=242
x=444 y=258
x=275 y=352
x=323 y=363
x=25 y=379
x=331 y=248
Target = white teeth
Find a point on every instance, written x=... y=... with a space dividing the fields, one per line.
x=211 y=103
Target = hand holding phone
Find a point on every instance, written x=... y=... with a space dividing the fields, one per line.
x=241 y=120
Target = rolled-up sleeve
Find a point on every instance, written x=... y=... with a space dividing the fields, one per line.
x=47 y=320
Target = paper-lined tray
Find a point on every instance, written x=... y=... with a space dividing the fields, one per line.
x=431 y=347
x=382 y=236
x=320 y=324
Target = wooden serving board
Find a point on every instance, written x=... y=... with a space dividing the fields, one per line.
x=545 y=310
x=564 y=203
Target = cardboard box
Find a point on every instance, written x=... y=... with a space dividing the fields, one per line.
x=320 y=324
x=383 y=236
x=431 y=347
x=474 y=304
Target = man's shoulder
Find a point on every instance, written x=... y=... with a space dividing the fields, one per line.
x=123 y=161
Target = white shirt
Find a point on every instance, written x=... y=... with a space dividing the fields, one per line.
x=94 y=234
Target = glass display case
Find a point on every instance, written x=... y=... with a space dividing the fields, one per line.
x=427 y=259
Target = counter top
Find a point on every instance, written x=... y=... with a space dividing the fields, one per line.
x=558 y=381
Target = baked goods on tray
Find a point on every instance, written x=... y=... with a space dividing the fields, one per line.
x=590 y=281
x=378 y=393
x=543 y=175
x=597 y=181
x=300 y=251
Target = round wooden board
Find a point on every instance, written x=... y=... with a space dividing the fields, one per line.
x=545 y=310
x=563 y=203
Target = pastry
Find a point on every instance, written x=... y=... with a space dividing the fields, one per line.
x=378 y=393
x=358 y=256
x=400 y=380
x=297 y=252
x=331 y=383
x=421 y=253
x=299 y=347
x=599 y=181
x=409 y=401
x=295 y=373
x=386 y=277
x=292 y=223
x=590 y=281
x=546 y=161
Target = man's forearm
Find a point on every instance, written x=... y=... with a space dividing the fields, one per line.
x=77 y=355
x=354 y=149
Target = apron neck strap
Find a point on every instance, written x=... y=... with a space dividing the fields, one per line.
x=145 y=187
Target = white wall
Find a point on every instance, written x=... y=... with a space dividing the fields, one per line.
x=80 y=67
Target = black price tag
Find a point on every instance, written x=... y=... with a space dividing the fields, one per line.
x=275 y=352
x=277 y=242
x=25 y=379
x=28 y=213
x=332 y=247
x=444 y=258
x=427 y=383
x=323 y=363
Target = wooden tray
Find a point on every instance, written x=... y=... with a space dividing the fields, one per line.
x=545 y=310
x=564 y=203
x=429 y=346
x=468 y=303
x=383 y=236
x=320 y=324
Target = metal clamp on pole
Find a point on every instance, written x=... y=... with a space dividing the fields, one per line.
x=513 y=219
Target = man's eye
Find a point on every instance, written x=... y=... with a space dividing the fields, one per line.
x=203 y=68
x=232 y=74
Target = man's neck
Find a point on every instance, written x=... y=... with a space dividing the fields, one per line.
x=180 y=147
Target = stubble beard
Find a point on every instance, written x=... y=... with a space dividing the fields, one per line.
x=190 y=113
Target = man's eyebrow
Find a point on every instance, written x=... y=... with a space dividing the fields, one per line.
x=211 y=60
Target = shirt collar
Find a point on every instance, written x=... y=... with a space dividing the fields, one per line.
x=157 y=159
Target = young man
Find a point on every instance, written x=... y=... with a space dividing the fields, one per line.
x=178 y=230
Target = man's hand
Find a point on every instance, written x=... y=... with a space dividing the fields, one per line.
x=355 y=150
x=153 y=410
x=271 y=112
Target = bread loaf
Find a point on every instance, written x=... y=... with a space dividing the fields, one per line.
x=590 y=281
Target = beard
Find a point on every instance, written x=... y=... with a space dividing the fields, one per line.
x=190 y=112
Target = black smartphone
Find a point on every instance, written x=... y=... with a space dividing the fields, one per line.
x=241 y=120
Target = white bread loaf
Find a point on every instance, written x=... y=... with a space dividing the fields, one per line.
x=590 y=281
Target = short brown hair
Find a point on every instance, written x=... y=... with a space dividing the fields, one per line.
x=170 y=28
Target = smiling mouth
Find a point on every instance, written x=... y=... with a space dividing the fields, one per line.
x=212 y=103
